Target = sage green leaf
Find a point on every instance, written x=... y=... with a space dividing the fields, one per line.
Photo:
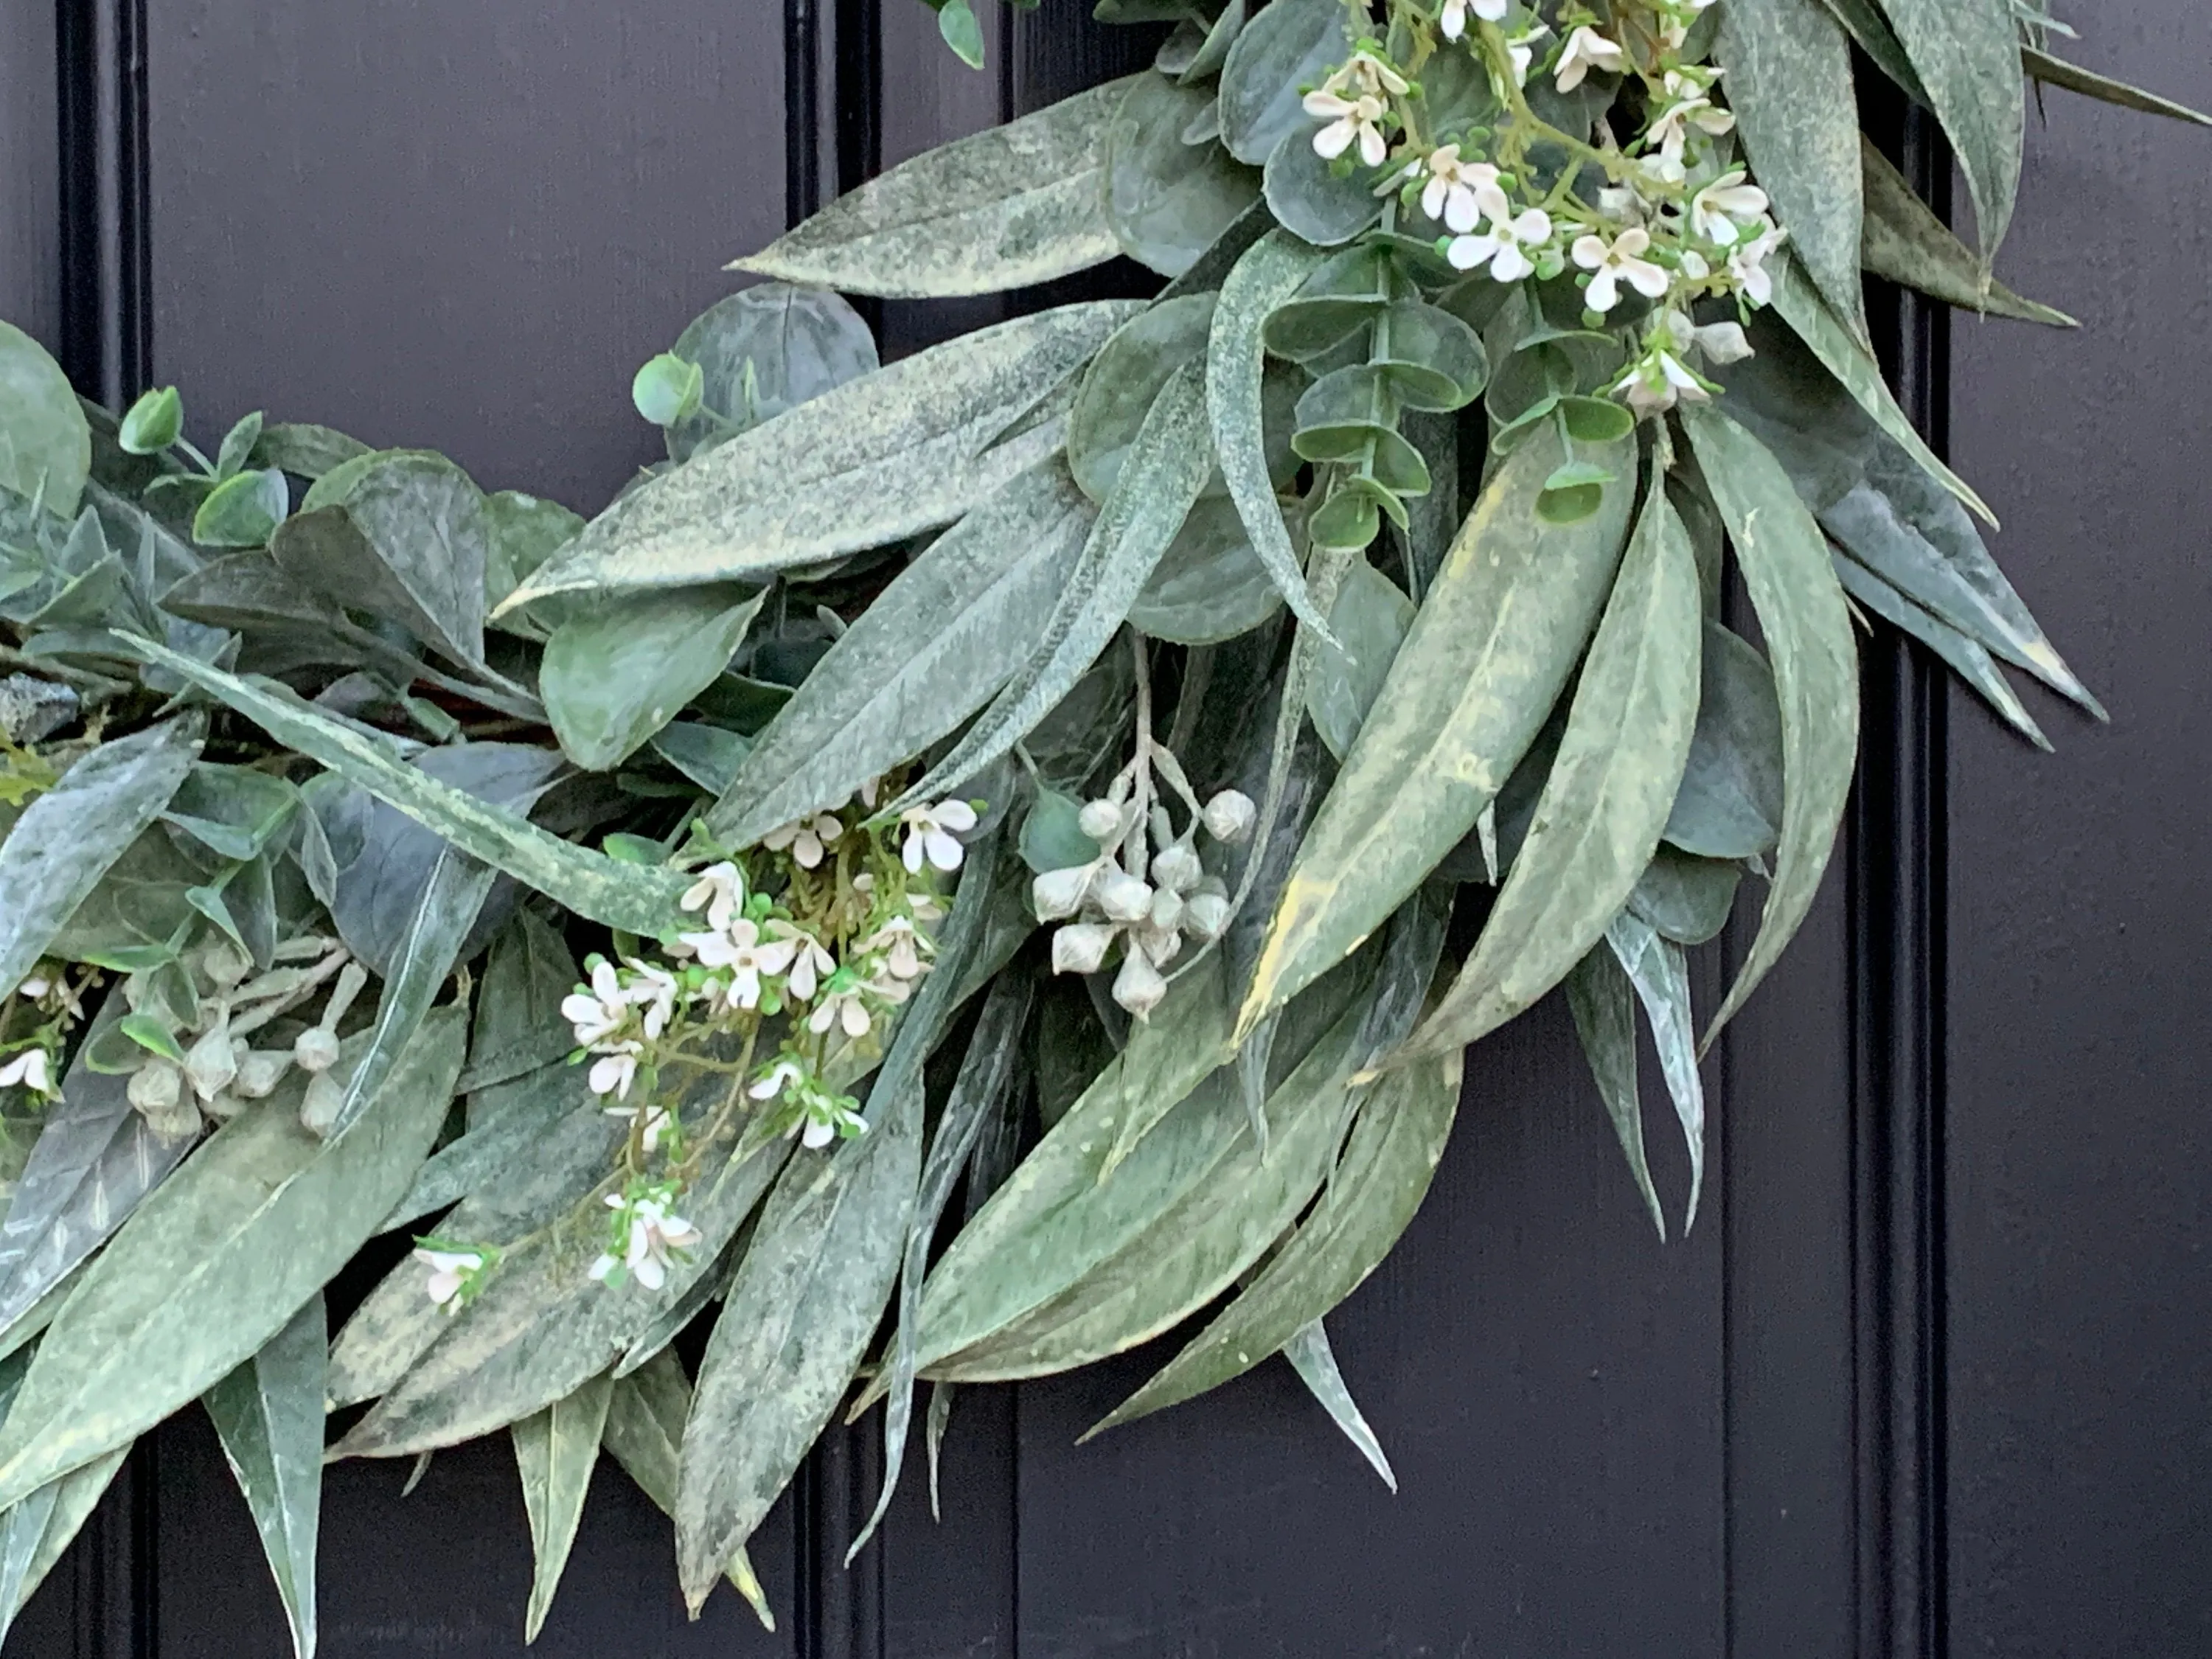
x=1290 y=44
x=797 y=1321
x=1967 y=53
x=620 y=668
x=1001 y=208
x=68 y=838
x=95 y=1161
x=243 y=510
x=1729 y=805
x=1603 y=1004
x=522 y=533
x=1655 y=967
x=1311 y=200
x=555 y=1450
x=1213 y=50
x=1785 y=561
x=1315 y=1362
x=707 y=755
x=1685 y=898
x=269 y=1415
x=1878 y=41
x=1603 y=807
x=1236 y=365
x=1831 y=343
x=1125 y=379
x=1899 y=525
x=1906 y=242
x=1166 y=201
x=1370 y=620
x=1167 y=467
x=233 y=811
x=216 y=1261
x=61 y=1508
x=1209 y=586
x=519 y=1026
x=888 y=455
x=1486 y=657
x=1396 y=1142
x=450 y=902
x=935 y=646
x=645 y=1425
x=1174 y=1051
x=763 y=350
x=1967 y=658
x=46 y=442
x=304 y=450
x=2056 y=72
x=628 y=897
x=1789 y=68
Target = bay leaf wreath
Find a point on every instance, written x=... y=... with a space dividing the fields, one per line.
x=1042 y=773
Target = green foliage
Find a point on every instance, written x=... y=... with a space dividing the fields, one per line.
x=671 y=911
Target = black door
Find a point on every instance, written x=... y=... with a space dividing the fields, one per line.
x=1928 y=1377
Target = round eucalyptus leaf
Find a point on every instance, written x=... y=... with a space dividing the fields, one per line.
x=1214 y=52
x=1595 y=419
x=1435 y=360
x=1291 y=44
x=764 y=350
x=243 y=510
x=1570 y=504
x=46 y=442
x=1167 y=200
x=1051 y=838
x=1341 y=411
x=1122 y=380
x=666 y=389
x=621 y=668
x=1210 y=584
x=154 y=421
x=956 y=26
x=1397 y=466
x=1325 y=203
x=1684 y=898
x=1349 y=518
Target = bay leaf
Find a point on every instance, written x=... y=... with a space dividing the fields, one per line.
x=555 y=1450
x=621 y=667
x=269 y=1415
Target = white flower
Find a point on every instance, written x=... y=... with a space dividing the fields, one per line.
x=815 y=1132
x=1450 y=193
x=1348 y=119
x=1124 y=897
x=1745 y=262
x=739 y=948
x=1452 y=20
x=657 y=1122
x=1522 y=49
x=808 y=838
x=654 y=1235
x=810 y=963
x=1721 y=211
x=599 y=1011
x=1058 y=893
x=1658 y=381
x=614 y=1070
x=1139 y=987
x=30 y=1070
x=1081 y=946
x=1503 y=247
x=901 y=947
x=842 y=1004
x=1694 y=266
x=450 y=1273
x=770 y=1084
x=1587 y=50
x=931 y=831
x=1622 y=261
x=720 y=890
x=1363 y=73
x=654 y=990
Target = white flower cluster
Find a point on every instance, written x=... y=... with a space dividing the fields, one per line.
x=646 y=1235
x=32 y=1063
x=1148 y=888
x=214 y=1072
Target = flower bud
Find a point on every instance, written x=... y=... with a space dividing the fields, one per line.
x=320 y=1110
x=259 y=1072
x=1206 y=914
x=315 y=1050
x=1228 y=816
x=1080 y=947
x=1139 y=987
x=1058 y=893
x=1123 y=897
x=210 y=1064
x=156 y=1087
x=1177 y=868
x=1167 y=909
x=225 y=964
x=1162 y=944
x=1100 y=820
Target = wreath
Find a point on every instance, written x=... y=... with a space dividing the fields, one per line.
x=1045 y=775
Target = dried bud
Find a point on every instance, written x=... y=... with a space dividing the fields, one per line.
x=1167 y=909
x=1100 y=820
x=1123 y=897
x=211 y=1064
x=1081 y=947
x=315 y=1050
x=320 y=1110
x=1206 y=914
x=156 y=1087
x=1177 y=868
x=1228 y=816
x=259 y=1072
x=1162 y=944
x=225 y=965
x=1058 y=893
x=1139 y=987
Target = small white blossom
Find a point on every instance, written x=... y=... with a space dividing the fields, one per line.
x=1689 y=104
x=1724 y=209
x=614 y=1070
x=771 y=1083
x=720 y=892
x=842 y=1003
x=654 y=1235
x=1139 y=987
x=1081 y=946
x=450 y=1273
x=1621 y=260
x=598 y=1011
x=1659 y=380
x=810 y=962
x=1452 y=20
x=1349 y=119
x=658 y=1123
x=1229 y=817
x=740 y=949
x=1451 y=192
x=1587 y=50
x=1363 y=73
x=29 y=1070
x=655 y=991
x=1504 y=247
x=1522 y=50
x=901 y=946
x=809 y=838
x=1745 y=262
x=932 y=832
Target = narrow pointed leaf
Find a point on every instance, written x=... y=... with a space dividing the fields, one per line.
x=1785 y=561
x=555 y=1450
x=1871 y=30
x=1314 y=1360
x=2057 y=72
x=1968 y=55
x=269 y=1414
x=1655 y=967
x=1906 y=242
x=1603 y=1004
x=74 y=1495
x=1966 y=656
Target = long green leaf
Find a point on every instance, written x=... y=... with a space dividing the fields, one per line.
x=1878 y=41
x=1906 y=242
x=1661 y=974
x=893 y=453
x=1314 y=1361
x=2057 y=72
x=1603 y=1004
x=1966 y=656
x=1789 y=83
x=1487 y=657
x=555 y=1450
x=65 y=1505
x=1785 y=561
x=1004 y=208
x=269 y=1414
x=45 y=443
x=216 y=1261
x=1166 y=468
x=1859 y=374
x=1608 y=796
x=1234 y=362
x=628 y=897
x=935 y=646
x=67 y=838
x=1968 y=54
